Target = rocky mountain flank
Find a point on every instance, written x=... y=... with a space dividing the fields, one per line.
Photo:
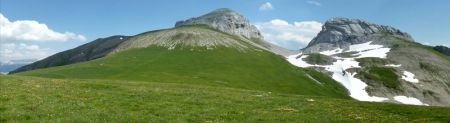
x=90 y=51
x=388 y=61
x=193 y=37
x=229 y=21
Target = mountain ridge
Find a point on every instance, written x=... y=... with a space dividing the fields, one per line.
x=219 y=65
x=342 y=32
x=387 y=62
x=235 y=23
x=86 y=52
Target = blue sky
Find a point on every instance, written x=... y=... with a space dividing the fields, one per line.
x=427 y=21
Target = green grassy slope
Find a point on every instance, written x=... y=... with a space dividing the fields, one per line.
x=32 y=99
x=222 y=66
x=226 y=67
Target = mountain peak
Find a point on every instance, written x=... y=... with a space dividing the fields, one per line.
x=225 y=20
x=357 y=27
x=342 y=32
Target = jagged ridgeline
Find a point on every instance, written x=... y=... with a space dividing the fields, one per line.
x=200 y=53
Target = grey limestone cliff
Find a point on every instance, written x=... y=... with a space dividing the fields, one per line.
x=225 y=20
x=342 y=32
x=231 y=22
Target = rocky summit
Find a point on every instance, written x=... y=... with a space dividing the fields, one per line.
x=231 y=22
x=342 y=32
x=225 y=20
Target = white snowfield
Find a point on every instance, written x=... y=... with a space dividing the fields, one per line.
x=408 y=76
x=355 y=86
x=409 y=100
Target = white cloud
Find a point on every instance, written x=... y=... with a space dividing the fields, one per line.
x=266 y=6
x=278 y=22
x=30 y=30
x=312 y=2
x=12 y=52
x=294 y=35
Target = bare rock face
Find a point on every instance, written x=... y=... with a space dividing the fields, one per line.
x=225 y=20
x=342 y=32
x=93 y=50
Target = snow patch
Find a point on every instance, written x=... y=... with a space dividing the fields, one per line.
x=408 y=76
x=332 y=52
x=355 y=86
x=363 y=47
x=409 y=100
x=379 y=52
x=297 y=61
x=393 y=65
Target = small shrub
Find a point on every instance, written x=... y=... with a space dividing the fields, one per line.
x=426 y=66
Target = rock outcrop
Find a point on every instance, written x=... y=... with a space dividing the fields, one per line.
x=225 y=20
x=231 y=22
x=342 y=32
